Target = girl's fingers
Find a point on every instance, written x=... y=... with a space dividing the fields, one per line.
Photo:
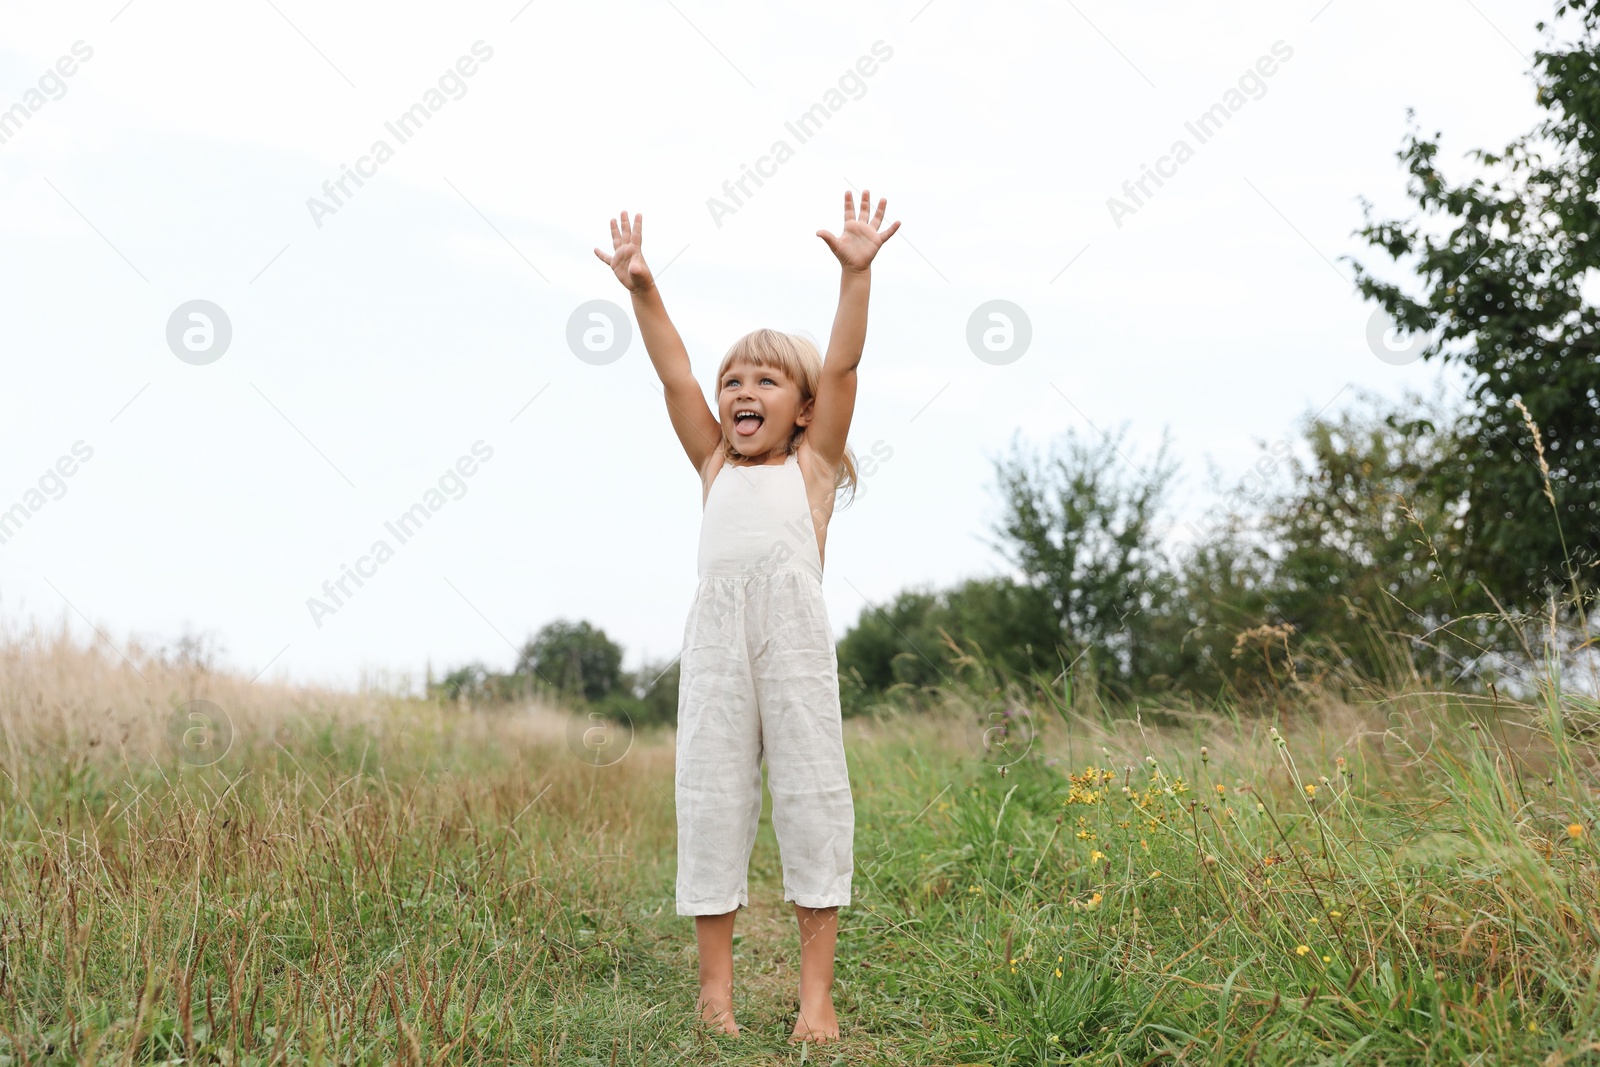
x=849 y=205
x=627 y=231
x=638 y=229
x=603 y=257
x=866 y=203
x=883 y=202
x=890 y=231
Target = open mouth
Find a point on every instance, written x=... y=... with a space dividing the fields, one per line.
x=746 y=422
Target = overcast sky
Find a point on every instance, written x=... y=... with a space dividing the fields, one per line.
x=379 y=333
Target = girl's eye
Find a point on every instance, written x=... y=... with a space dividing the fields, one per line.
x=768 y=381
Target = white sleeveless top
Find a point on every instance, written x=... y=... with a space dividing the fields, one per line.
x=757 y=520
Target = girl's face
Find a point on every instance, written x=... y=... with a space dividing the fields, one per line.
x=759 y=407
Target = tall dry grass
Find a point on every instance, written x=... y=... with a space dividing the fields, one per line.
x=351 y=876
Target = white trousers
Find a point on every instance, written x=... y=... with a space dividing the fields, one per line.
x=759 y=679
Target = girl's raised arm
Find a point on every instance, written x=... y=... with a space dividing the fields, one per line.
x=836 y=392
x=697 y=429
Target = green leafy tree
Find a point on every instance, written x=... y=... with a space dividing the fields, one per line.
x=1222 y=588
x=1501 y=296
x=574 y=658
x=1081 y=527
x=892 y=645
x=648 y=696
x=1369 y=546
x=1353 y=547
x=471 y=682
x=908 y=642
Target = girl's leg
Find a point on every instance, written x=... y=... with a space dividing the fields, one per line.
x=813 y=811
x=819 y=930
x=715 y=935
x=718 y=788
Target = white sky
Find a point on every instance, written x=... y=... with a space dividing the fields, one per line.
x=370 y=353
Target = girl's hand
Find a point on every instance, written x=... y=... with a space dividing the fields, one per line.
x=860 y=240
x=626 y=260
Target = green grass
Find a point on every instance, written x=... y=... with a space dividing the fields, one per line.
x=365 y=880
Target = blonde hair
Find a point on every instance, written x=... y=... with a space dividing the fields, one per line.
x=797 y=357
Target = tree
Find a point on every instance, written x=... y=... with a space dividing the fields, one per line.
x=1364 y=544
x=1501 y=297
x=891 y=645
x=648 y=696
x=1351 y=547
x=472 y=682
x=1012 y=627
x=1081 y=528
x=574 y=658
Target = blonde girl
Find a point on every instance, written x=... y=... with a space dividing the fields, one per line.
x=758 y=675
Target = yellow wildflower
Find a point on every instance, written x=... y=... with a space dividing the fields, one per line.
x=1301 y=950
x=1058 y=972
x=1311 y=790
x=1575 y=830
x=1095 y=857
x=1221 y=789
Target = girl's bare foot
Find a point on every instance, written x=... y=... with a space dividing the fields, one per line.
x=816 y=1021
x=716 y=1009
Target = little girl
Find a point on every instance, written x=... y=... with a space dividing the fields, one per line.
x=758 y=675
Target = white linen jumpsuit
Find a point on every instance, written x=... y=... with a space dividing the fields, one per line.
x=759 y=677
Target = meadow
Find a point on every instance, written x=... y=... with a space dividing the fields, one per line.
x=1333 y=876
